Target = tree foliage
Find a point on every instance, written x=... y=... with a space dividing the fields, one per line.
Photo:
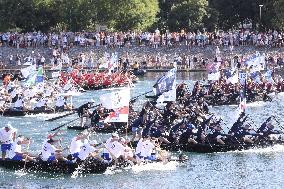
x=123 y=15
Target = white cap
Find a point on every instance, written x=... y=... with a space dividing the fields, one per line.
x=93 y=142
x=122 y=140
x=114 y=135
x=8 y=125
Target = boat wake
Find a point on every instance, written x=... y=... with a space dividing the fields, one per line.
x=21 y=172
x=157 y=166
x=272 y=149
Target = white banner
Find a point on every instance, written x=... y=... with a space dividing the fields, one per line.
x=115 y=100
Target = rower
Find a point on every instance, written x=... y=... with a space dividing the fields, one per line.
x=216 y=136
x=243 y=134
x=83 y=112
x=15 y=153
x=188 y=136
x=50 y=153
x=41 y=104
x=238 y=123
x=60 y=103
x=145 y=148
x=267 y=129
x=128 y=152
x=19 y=104
x=87 y=149
x=75 y=145
x=7 y=136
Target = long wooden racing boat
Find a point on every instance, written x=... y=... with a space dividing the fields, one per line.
x=213 y=148
x=13 y=112
x=88 y=166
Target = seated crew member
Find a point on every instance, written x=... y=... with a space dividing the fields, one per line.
x=188 y=136
x=19 y=104
x=216 y=135
x=128 y=152
x=60 y=104
x=40 y=105
x=7 y=136
x=267 y=129
x=243 y=134
x=238 y=123
x=15 y=153
x=50 y=153
x=87 y=149
x=75 y=145
x=83 y=112
x=145 y=148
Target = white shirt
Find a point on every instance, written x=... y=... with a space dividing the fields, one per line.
x=60 y=102
x=47 y=150
x=147 y=148
x=116 y=149
x=19 y=103
x=6 y=137
x=15 y=148
x=85 y=150
x=75 y=145
x=139 y=146
x=40 y=103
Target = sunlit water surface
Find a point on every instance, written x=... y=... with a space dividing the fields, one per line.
x=256 y=168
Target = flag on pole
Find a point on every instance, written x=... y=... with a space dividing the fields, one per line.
x=26 y=72
x=243 y=100
x=165 y=83
x=119 y=102
x=213 y=71
x=39 y=77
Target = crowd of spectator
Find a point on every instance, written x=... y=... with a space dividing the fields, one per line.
x=151 y=50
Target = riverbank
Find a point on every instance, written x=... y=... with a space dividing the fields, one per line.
x=161 y=56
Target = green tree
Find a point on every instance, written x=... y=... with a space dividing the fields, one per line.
x=127 y=15
x=187 y=14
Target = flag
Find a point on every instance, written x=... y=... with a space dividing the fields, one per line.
x=55 y=74
x=268 y=76
x=243 y=100
x=167 y=96
x=232 y=76
x=119 y=102
x=28 y=70
x=39 y=77
x=242 y=105
x=242 y=78
x=213 y=71
x=166 y=82
x=118 y=115
x=116 y=99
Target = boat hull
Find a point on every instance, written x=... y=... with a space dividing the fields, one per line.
x=60 y=167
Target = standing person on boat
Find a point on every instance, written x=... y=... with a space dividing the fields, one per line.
x=7 y=136
x=84 y=112
x=15 y=153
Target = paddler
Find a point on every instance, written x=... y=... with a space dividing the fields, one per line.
x=15 y=153
x=7 y=137
x=50 y=153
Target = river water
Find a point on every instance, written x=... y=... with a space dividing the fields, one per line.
x=256 y=168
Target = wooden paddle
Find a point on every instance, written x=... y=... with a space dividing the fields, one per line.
x=64 y=124
x=62 y=116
